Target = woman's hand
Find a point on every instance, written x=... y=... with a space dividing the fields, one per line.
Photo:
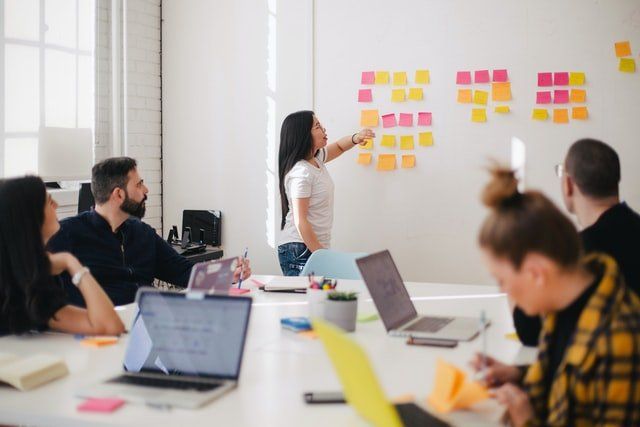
x=517 y=404
x=496 y=373
x=362 y=136
x=244 y=267
x=63 y=261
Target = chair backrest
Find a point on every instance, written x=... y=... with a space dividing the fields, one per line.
x=334 y=265
x=85 y=198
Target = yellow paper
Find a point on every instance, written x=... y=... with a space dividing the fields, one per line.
x=513 y=336
x=464 y=96
x=501 y=91
x=540 y=114
x=576 y=78
x=386 y=162
x=479 y=115
x=398 y=95
x=364 y=158
x=369 y=118
x=425 y=139
x=406 y=142
x=408 y=161
x=451 y=390
x=382 y=77
x=422 y=77
x=480 y=97
x=368 y=145
x=400 y=78
x=560 y=115
x=579 y=113
x=502 y=109
x=623 y=49
x=416 y=94
x=578 y=95
x=388 y=141
x=627 y=65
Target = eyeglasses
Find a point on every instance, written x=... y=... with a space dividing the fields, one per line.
x=559 y=169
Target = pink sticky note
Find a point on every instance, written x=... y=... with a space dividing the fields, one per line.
x=481 y=76
x=389 y=121
x=424 y=119
x=368 y=77
x=406 y=119
x=364 y=95
x=500 y=76
x=560 y=79
x=560 y=96
x=544 y=79
x=463 y=78
x=100 y=405
x=543 y=97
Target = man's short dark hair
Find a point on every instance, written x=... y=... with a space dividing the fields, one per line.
x=108 y=175
x=595 y=168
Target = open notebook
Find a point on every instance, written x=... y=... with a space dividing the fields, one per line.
x=26 y=373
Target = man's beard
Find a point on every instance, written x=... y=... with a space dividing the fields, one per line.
x=134 y=208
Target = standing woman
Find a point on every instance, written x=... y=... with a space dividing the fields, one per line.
x=306 y=188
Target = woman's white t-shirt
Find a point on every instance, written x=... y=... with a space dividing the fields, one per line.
x=303 y=181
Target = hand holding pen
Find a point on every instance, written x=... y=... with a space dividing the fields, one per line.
x=244 y=270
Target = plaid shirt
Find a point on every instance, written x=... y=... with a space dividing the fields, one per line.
x=598 y=380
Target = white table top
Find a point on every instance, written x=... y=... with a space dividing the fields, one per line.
x=278 y=366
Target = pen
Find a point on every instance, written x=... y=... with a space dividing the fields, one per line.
x=244 y=257
x=483 y=324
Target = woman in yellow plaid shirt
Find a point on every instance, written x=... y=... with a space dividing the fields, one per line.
x=588 y=367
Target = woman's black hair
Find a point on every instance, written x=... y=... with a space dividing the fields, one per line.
x=295 y=145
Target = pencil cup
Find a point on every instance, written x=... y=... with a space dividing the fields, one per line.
x=317 y=299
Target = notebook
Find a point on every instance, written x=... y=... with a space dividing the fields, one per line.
x=26 y=373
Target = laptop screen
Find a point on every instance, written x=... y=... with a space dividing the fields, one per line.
x=177 y=335
x=385 y=285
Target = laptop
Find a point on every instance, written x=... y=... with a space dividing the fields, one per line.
x=361 y=387
x=184 y=350
x=396 y=309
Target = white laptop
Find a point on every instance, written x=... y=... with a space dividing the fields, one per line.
x=185 y=350
x=396 y=309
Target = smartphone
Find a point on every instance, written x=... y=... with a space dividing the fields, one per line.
x=435 y=342
x=324 y=397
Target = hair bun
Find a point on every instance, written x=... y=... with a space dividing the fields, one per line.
x=502 y=188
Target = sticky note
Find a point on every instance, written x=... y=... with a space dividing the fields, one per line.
x=388 y=141
x=451 y=390
x=480 y=97
x=627 y=65
x=364 y=158
x=399 y=78
x=408 y=161
x=540 y=114
x=579 y=113
x=369 y=118
x=425 y=139
x=422 y=77
x=386 y=162
x=543 y=97
x=463 y=78
x=406 y=142
x=560 y=96
x=561 y=79
x=501 y=91
x=364 y=95
x=479 y=115
x=623 y=49
x=464 y=96
x=578 y=95
x=406 y=119
x=398 y=95
x=502 y=109
x=416 y=94
x=544 y=79
x=576 y=78
x=424 y=119
x=368 y=145
x=99 y=341
x=382 y=77
x=100 y=405
x=389 y=120
x=368 y=78
x=500 y=76
x=481 y=76
x=560 y=115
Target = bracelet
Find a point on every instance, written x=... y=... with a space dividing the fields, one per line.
x=79 y=275
x=352 y=141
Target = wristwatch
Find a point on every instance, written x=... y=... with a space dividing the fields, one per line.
x=79 y=275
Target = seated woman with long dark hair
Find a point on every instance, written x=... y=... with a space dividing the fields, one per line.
x=30 y=296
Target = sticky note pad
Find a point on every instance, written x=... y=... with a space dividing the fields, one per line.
x=422 y=77
x=398 y=95
x=406 y=142
x=544 y=79
x=382 y=77
x=560 y=115
x=627 y=65
x=578 y=95
x=368 y=78
x=364 y=158
x=386 y=162
x=416 y=94
x=99 y=341
x=406 y=119
x=561 y=79
x=481 y=76
x=388 y=141
x=100 y=405
x=543 y=97
x=399 y=78
x=369 y=118
x=501 y=91
x=408 y=161
x=540 y=114
x=623 y=49
x=579 y=113
x=560 y=96
x=480 y=97
x=463 y=78
x=389 y=120
x=479 y=115
x=452 y=390
x=368 y=145
x=500 y=76
x=364 y=95
x=424 y=119
x=464 y=96
x=576 y=78
x=502 y=109
x=425 y=139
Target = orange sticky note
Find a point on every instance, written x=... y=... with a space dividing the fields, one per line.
x=99 y=341
x=578 y=95
x=627 y=65
x=416 y=94
x=464 y=96
x=386 y=162
x=623 y=49
x=406 y=142
x=502 y=109
x=576 y=78
x=364 y=158
x=501 y=91
x=452 y=391
x=560 y=115
x=368 y=145
x=422 y=77
x=425 y=139
x=388 y=141
x=382 y=77
x=479 y=115
x=540 y=114
x=369 y=118
x=579 y=113
x=398 y=95
x=408 y=161
x=480 y=97
x=400 y=78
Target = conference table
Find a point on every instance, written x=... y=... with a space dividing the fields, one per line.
x=278 y=366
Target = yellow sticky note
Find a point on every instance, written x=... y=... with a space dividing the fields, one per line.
x=408 y=161
x=502 y=109
x=480 y=97
x=576 y=78
x=364 y=158
x=425 y=139
x=369 y=118
x=416 y=94
x=513 y=336
x=623 y=49
x=578 y=95
x=399 y=78
x=388 y=141
x=452 y=391
x=579 y=113
x=386 y=162
x=464 y=96
x=479 y=115
x=406 y=142
x=398 y=95
x=382 y=77
x=501 y=91
x=540 y=114
x=560 y=115
x=627 y=65
x=422 y=77
x=368 y=145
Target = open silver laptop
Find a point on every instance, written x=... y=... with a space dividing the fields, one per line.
x=396 y=309
x=184 y=350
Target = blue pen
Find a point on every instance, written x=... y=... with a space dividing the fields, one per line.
x=244 y=257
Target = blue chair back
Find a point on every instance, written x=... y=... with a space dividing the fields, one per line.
x=333 y=264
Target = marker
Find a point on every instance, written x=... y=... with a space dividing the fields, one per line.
x=244 y=257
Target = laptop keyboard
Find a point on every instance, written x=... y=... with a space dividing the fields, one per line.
x=164 y=383
x=429 y=324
